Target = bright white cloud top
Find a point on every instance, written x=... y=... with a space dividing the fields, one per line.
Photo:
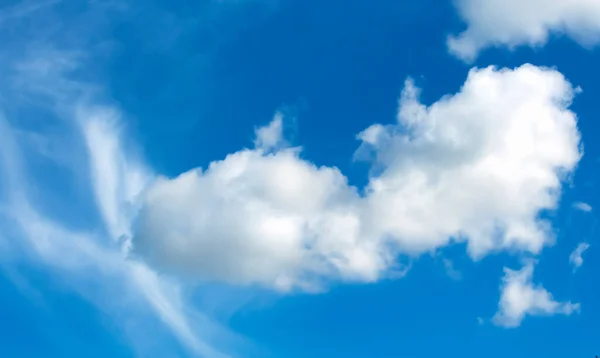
x=513 y=23
x=576 y=258
x=521 y=298
x=478 y=167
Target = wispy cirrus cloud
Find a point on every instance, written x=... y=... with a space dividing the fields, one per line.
x=45 y=79
x=581 y=206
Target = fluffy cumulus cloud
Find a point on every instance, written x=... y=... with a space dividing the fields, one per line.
x=513 y=22
x=273 y=219
x=576 y=258
x=478 y=167
x=520 y=298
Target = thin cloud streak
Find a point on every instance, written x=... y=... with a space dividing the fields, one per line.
x=116 y=181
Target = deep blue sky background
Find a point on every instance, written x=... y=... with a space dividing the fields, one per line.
x=196 y=78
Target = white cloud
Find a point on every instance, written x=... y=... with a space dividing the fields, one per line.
x=272 y=219
x=270 y=137
x=512 y=23
x=520 y=298
x=585 y=207
x=118 y=180
x=575 y=258
x=478 y=166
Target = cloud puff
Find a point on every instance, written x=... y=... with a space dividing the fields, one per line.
x=575 y=258
x=272 y=219
x=585 y=207
x=513 y=23
x=270 y=137
x=520 y=298
x=478 y=166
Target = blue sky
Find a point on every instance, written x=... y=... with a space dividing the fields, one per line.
x=269 y=178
